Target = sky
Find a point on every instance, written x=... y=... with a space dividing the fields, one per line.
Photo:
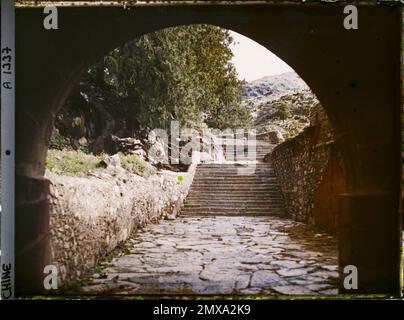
x=254 y=61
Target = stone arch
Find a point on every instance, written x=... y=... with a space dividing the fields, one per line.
x=361 y=98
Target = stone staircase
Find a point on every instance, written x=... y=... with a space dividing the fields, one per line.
x=226 y=189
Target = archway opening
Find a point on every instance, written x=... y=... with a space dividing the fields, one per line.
x=367 y=134
x=112 y=138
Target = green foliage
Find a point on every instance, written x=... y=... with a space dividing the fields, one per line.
x=138 y=166
x=78 y=163
x=182 y=73
x=59 y=142
x=71 y=163
x=305 y=110
x=282 y=112
x=293 y=129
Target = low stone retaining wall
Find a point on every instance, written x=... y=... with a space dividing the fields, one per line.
x=90 y=216
x=310 y=173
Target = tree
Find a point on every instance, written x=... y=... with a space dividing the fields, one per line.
x=181 y=73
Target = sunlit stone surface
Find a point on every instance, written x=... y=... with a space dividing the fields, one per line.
x=223 y=255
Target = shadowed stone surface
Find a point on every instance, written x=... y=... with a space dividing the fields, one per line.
x=223 y=255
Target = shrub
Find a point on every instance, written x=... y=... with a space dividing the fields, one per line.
x=79 y=163
x=71 y=163
x=136 y=165
x=282 y=112
x=59 y=142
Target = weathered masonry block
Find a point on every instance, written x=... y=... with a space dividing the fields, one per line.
x=311 y=174
x=90 y=216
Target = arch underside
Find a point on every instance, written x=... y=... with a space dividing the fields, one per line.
x=354 y=73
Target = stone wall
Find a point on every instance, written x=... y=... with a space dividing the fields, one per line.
x=310 y=172
x=91 y=215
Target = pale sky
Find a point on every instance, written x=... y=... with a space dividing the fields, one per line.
x=254 y=61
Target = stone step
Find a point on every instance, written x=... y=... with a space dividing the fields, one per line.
x=222 y=190
x=241 y=157
x=233 y=182
x=246 y=193
x=227 y=197
x=233 y=195
x=233 y=187
x=238 y=184
x=245 y=151
x=214 y=179
x=235 y=179
x=233 y=201
x=225 y=201
x=244 y=205
x=237 y=193
x=234 y=204
x=252 y=146
x=249 y=146
x=245 y=154
x=218 y=176
x=236 y=171
x=256 y=168
x=251 y=157
x=212 y=202
x=232 y=176
x=256 y=171
x=243 y=173
x=233 y=208
x=224 y=166
x=234 y=213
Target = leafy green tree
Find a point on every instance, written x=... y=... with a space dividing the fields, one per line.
x=181 y=73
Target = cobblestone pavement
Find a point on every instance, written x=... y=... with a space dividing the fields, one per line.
x=223 y=255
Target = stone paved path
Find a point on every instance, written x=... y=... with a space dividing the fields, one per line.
x=264 y=255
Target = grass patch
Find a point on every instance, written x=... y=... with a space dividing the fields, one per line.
x=138 y=166
x=79 y=163
x=72 y=163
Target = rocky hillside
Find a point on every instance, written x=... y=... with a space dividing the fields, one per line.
x=280 y=103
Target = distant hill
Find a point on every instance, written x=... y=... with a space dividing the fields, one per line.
x=280 y=103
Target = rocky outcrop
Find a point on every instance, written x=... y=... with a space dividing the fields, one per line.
x=91 y=215
x=112 y=144
x=310 y=173
x=280 y=103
